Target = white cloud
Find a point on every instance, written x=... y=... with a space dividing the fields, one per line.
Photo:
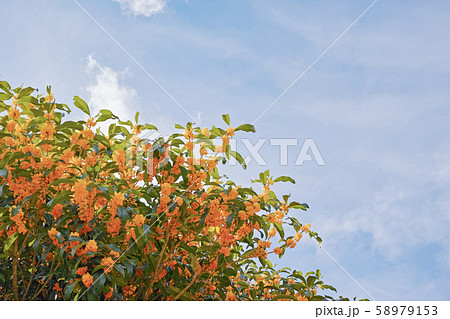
x=107 y=93
x=142 y=7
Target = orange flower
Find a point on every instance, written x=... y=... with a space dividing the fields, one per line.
x=166 y=189
x=272 y=232
x=225 y=140
x=14 y=113
x=277 y=251
x=109 y=294
x=87 y=134
x=113 y=226
x=49 y=98
x=188 y=134
x=225 y=251
x=220 y=148
x=230 y=131
x=47 y=131
x=11 y=141
x=205 y=131
x=230 y=294
x=87 y=280
x=291 y=243
x=57 y=288
x=298 y=236
x=57 y=211
x=242 y=215
x=11 y=125
x=91 y=246
x=80 y=191
x=115 y=254
x=189 y=145
x=117 y=199
x=90 y=122
x=49 y=116
x=306 y=227
x=52 y=234
x=119 y=156
x=18 y=219
x=81 y=271
x=108 y=262
x=139 y=220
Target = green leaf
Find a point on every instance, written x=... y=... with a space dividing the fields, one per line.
x=279 y=228
x=329 y=287
x=9 y=241
x=114 y=248
x=70 y=124
x=310 y=281
x=317 y=298
x=120 y=269
x=238 y=157
x=291 y=297
x=230 y=219
x=246 y=128
x=297 y=205
x=99 y=280
x=5 y=86
x=226 y=118
x=319 y=240
x=149 y=127
x=5 y=96
x=4 y=172
x=122 y=213
x=126 y=123
x=285 y=179
x=102 y=139
x=203 y=217
x=62 y=180
x=262 y=178
x=81 y=104
x=105 y=115
x=25 y=92
x=111 y=129
x=68 y=290
x=174 y=291
x=136 y=117
x=7 y=201
x=140 y=236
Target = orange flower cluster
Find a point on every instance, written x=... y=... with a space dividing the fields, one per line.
x=20 y=222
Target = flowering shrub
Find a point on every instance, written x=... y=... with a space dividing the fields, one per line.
x=86 y=215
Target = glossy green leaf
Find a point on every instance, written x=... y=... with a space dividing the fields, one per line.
x=5 y=86
x=284 y=179
x=81 y=104
x=9 y=241
x=246 y=128
x=226 y=118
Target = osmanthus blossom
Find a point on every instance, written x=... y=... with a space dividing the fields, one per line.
x=89 y=215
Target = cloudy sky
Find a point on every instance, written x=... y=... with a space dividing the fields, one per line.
x=376 y=105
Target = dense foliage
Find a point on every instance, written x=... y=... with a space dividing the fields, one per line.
x=93 y=215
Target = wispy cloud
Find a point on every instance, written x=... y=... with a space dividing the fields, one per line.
x=142 y=7
x=107 y=93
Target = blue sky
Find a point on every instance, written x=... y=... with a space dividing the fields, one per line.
x=376 y=105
